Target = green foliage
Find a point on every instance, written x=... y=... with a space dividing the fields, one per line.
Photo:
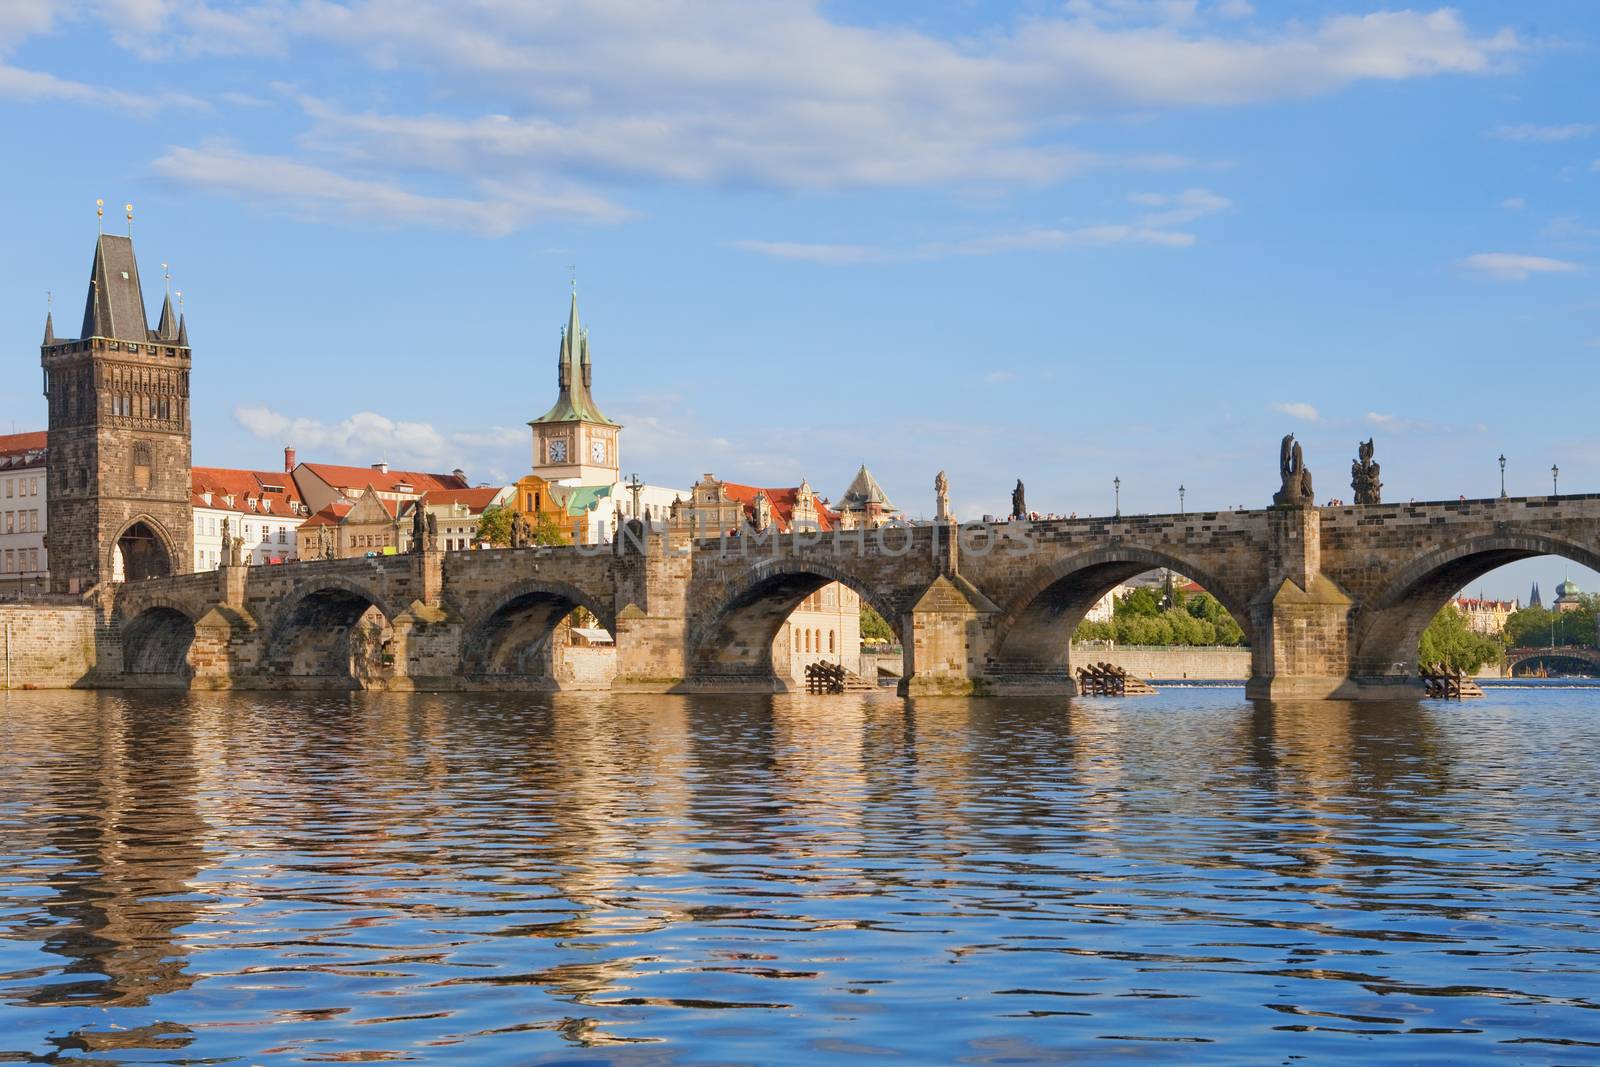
x=1138 y=619
x=873 y=626
x=547 y=531
x=494 y=526
x=1449 y=640
x=1541 y=627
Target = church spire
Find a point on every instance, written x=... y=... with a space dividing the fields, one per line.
x=574 y=375
x=167 y=328
x=49 y=329
x=115 y=305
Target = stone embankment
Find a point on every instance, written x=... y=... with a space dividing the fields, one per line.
x=1172 y=662
x=46 y=645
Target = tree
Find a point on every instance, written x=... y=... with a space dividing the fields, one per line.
x=547 y=530
x=873 y=626
x=494 y=526
x=1449 y=640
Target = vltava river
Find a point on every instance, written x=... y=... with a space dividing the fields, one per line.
x=260 y=879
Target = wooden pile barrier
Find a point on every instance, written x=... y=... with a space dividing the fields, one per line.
x=825 y=677
x=1442 y=683
x=1109 y=680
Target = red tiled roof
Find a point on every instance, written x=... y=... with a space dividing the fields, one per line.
x=782 y=501
x=362 y=477
x=243 y=486
x=31 y=441
x=474 y=499
x=328 y=516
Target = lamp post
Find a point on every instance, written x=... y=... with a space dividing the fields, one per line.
x=1180 y=501
x=1502 y=476
x=1116 y=483
x=1555 y=480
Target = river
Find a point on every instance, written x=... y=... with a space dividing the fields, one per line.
x=279 y=878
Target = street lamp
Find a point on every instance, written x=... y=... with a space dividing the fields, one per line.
x=1555 y=480
x=1502 y=476
x=1116 y=484
x=1180 y=501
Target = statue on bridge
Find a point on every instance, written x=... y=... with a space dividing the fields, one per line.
x=1019 y=502
x=521 y=532
x=941 y=498
x=1364 y=475
x=419 y=527
x=431 y=540
x=1296 y=491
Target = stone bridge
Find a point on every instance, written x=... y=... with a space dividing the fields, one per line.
x=1567 y=654
x=1332 y=601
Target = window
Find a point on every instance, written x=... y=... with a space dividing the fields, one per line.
x=11 y=518
x=141 y=464
x=11 y=484
x=33 y=559
x=283 y=535
x=11 y=559
x=830 y=641
x=33 y=487
x=33 y=521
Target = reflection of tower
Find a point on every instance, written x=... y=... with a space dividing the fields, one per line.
x=118 y=395
x=134 y=835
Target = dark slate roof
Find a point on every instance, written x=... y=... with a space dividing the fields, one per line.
x=167 y=328
x=114 y=308
x=864 y=490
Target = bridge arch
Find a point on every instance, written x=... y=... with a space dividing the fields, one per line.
x=732 y=644
x=333 y=632
x=142 y=549
x=1385 y=633
x=1033 y=635
x=156 y=640
x=507 y=641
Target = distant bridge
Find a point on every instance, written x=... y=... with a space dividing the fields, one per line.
x=1332 y=601
x=1585 y=654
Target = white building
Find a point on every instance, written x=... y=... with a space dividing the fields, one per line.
x=23 y=485
x=263 y=507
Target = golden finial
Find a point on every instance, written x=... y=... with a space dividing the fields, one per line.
x=100 y=215
x=129 y=209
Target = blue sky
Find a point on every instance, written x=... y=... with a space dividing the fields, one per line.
x=1065 y=242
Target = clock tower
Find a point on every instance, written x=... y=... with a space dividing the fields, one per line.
x=573 y=441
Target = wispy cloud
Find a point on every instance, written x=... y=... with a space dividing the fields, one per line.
x=1572 y=131
x=1297 y=409
x=567 y=99
x=1513 y=203
x=999 y=377
x=368 y=437
x=316 y=193
x=1513 y=267
x=1179 y=208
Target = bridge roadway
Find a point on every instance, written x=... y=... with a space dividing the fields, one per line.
x=1332 y=600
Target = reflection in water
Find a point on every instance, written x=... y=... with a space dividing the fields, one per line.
x=252 y=878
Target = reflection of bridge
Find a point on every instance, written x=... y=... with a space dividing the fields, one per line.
x=1333 y=601
x=1585 y=654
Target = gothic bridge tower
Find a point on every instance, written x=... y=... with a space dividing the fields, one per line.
x=119 y=483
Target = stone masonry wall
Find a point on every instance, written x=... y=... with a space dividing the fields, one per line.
x=1172 y=663
x=46 y=646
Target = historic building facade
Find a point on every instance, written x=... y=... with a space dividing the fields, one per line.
x=263 y=507
x=1486 y=616
x=24 y=494
x=118 y=400
x=573 y=441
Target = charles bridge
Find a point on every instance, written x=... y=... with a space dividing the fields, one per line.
x=1332 y=601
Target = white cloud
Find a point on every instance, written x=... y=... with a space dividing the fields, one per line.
x=775 y=93
x=316 y=193
x=1038 y=239
x=364 y=437
x=1179 y=208
x=31 y=86
x=1512 y=267
x=1297 y=409
x=999 y=377
x=1546 y=134
x=1235 y=9
x=1513 y=203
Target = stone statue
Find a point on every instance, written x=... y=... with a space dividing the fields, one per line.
x=1019 y=502
x=419 y=527
x=431 y=541
x=1296 y=491
x=227 y=554
x=521 y=532
x=941 y=494
x=1364 y=475
x=235 y=547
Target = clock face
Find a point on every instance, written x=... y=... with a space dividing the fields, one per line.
x=597 y=450
x=558 y=451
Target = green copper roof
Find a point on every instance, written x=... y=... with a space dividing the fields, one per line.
x=586 y=498
x=574 y=373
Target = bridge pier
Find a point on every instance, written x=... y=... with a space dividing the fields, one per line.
x=652 y=631
x=949 y=634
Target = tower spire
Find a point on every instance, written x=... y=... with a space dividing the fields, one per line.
x=49 y=318
x=167 y=328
